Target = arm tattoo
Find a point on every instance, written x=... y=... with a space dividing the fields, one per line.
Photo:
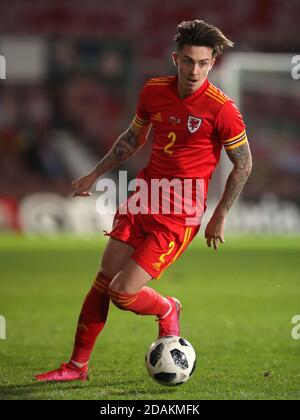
x=123 y=149
x=125 y=146
x=241 y=158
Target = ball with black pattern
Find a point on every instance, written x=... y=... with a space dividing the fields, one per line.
x=170 y=360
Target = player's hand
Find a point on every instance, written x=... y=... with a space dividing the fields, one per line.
x=214 y=232
x=82 y=185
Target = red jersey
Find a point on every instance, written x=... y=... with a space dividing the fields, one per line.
x=188 y=137
x=189 y=132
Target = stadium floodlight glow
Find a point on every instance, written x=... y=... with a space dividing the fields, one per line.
x=2 y=67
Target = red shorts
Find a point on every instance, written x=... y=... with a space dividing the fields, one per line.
x=157 y=240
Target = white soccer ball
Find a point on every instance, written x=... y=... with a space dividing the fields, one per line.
x=171 y=360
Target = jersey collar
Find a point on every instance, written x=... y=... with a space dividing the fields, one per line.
x=198 y=92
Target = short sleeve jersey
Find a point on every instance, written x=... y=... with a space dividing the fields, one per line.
x=189 y=133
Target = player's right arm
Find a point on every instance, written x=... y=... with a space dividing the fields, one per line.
x=232 y=133
x=127 y=144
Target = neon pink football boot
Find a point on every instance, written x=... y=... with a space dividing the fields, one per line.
x=66 y=372
x=169 y=324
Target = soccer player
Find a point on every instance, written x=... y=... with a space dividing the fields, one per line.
x=192 y=120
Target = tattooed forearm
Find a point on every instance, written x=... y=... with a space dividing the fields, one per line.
x=124 y=147
x=241 y=158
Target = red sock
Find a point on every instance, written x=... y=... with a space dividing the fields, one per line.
x=146 y=302
x=92 y=319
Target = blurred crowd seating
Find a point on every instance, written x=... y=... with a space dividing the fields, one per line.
x=95 y=109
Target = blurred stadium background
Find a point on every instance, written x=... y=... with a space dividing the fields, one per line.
x=73 y=73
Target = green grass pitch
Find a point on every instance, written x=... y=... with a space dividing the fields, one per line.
x=237 y=309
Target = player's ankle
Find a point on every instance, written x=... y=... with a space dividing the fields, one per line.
x=78 y=364
x=168 y=311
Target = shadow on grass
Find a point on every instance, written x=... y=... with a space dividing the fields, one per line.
x=36 y=390
x=24 y=391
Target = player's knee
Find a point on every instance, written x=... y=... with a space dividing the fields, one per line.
x=107 y=270
x=118 y=298
x=102 y=281
x=108 y=267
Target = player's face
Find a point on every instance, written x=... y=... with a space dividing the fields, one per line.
x=193 y=64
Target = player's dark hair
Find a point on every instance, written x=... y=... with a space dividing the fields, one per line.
x=200 y=33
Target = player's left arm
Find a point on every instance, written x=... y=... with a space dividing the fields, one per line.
x=241 y=158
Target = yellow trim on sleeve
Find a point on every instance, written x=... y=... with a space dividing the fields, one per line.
x=244 y=140
x=139 y=122
x=235 y=137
